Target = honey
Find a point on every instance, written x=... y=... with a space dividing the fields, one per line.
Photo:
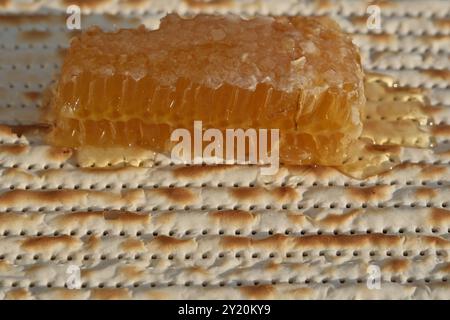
x=302 y=75
x=133 y=87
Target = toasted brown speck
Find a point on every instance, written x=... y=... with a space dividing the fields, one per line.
x=193 y=172
x=426 y=193
x=47 y=242
x=85 y=4
x=439 y=216
x=132 y=245
x=369 y=193
x=32 y=96
x=442 y=130
x=396 y=265
x=258 y=292
x=59 y=154
x=17 y=294
x=339 y=219
x=126 y=216
x=14 y=149
x=177 y=195
x=246 y=193
x=170 y=243
x=131 y=271
x=34 y=35
x=110 y=294
x=433 y=171
x=442 y=74
x=285 y=194
x=437 y=242
x=208 y=4
x=232 y=242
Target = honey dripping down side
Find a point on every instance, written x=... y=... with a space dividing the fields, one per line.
x=303 y=76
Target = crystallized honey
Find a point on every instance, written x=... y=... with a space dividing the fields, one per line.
x=131 y=88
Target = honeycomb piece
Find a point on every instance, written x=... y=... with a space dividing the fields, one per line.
x=133 y=87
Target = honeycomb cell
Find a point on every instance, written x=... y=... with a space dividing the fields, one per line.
x=132 y=87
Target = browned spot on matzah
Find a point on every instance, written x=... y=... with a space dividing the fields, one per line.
x=359 y=20
x=425 y=193
x=67 y=294
x=297 y=218
x=193 y=172
x=30 y=128
x=132 y=245
x=258 y=292
x=5 y=266
x=5 y=130
x=285 y=194
x=432 y=171
x=383 y=148
x=126 y=216
x=18 y=19
x=32 y=96
x=18 y=174
x=395 y=265
x=17 y=294
x=246 y=193
x=235 y=216
x=34 y=35
x=208 y=4
x=85 y=4
x=317 y=171
x=272 y=266
x=20 y=196
x=439 y=216
x=358 y=240
x=14 y=149
x=110 y=294
x=441 y=22
x=92 y=243
x=62 y=53
x=339 y=219
x=177 y=195
x=59 y=153
x=197 y=270
x=441 y=130
x=445 y=268
x=4 y=3
x=369 y=193
x=156 y=295
x=9 y=218
x=233 y=242
x=45 y=242
x=437 y=241
x=134 y=2
x=383 y=3
x=78 y=217
x=442 y=74
x=131 y=271
x=323 y=4
x=169 y=243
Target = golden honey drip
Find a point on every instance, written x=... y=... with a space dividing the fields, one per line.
x=393 y=117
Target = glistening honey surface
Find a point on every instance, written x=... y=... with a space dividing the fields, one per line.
x=133 y=87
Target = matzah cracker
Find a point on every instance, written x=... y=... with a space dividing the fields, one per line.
x=203 y=232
